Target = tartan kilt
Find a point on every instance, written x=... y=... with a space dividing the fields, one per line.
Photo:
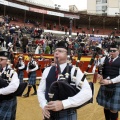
x=112 y=103
x=32 y=78
x=66 y=114
x=8 y=109
x=20 y=76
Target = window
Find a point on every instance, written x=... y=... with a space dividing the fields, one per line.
x=104 y=8
x=104 y=1
x=98 y=1
x=98 y=8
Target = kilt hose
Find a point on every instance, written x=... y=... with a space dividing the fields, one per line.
x=112 y=103
x=20 y=76
x=8 y=109
x=32 y=78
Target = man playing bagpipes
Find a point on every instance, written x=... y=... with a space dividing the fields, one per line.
x=57 y=105
x=109 y=78
x=9 y=83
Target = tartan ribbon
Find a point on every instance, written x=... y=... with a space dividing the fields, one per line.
x=110 y=62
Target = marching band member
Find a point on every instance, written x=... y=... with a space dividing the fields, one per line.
x=20 y=68
x=109 y=78
x=32 y=66
x=8 y=104
x=63 y=108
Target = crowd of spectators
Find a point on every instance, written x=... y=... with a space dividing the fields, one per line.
x=34 y=39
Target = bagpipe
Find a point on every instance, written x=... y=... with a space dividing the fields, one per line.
x=4 y=82
x=100 y=67
x=63 y=88
x=101 y=63
x=60 y=87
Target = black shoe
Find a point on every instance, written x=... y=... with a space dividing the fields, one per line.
x=26 y=95
x=35 y=93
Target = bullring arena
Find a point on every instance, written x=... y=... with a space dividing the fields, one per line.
x=28 y=109
x=27 y=15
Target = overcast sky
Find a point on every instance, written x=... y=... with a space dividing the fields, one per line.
x=80 y=4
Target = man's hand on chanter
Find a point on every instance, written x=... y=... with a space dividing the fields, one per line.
x=55 y=105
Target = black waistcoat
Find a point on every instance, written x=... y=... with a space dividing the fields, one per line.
x=111 y=70
x=52 y=77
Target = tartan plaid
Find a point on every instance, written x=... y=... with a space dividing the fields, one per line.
x=67 y=114
x=32 y=78
x=8 y=109
x=20 y=76
x=112 y=103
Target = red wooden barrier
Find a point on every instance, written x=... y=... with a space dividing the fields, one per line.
x=83 y=63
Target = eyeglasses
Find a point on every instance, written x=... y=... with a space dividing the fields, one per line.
x=60 y=51
x=113 y=50
x=1 y=59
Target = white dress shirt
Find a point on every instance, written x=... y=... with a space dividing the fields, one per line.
x=22 y=65
x=13 y=85
x=84 y=95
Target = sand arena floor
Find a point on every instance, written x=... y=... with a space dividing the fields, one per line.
x=28 y=109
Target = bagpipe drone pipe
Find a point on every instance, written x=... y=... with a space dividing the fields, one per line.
x=4 y=82
x=101 y=63
x=63 y=88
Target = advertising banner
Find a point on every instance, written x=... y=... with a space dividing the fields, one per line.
x=37 y=10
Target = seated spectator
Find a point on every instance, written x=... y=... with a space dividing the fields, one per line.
x=47 y=49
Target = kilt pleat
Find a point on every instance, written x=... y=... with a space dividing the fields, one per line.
x=32 y=78
x=8 y=109
x=112 y=103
